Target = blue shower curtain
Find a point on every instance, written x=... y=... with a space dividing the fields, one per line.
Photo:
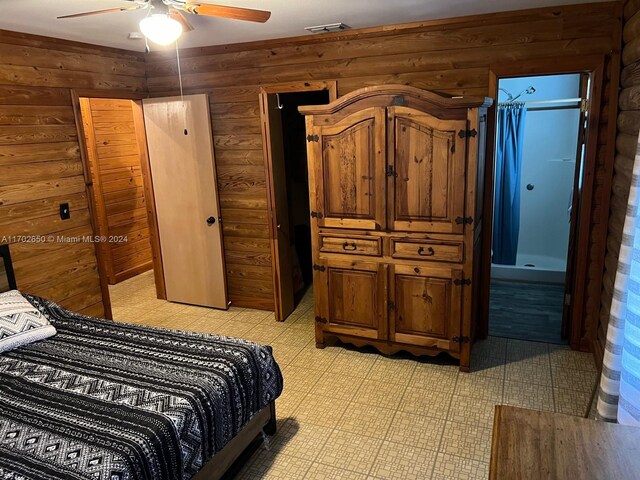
x=506 y=216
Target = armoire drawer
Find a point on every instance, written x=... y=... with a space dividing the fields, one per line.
x=427 y=250
x=350 y=245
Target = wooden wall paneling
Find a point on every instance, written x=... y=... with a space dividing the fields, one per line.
x=628 y=124
x=36 y=115
x=450 y=56
x=22 y=154
x=532 y=26
x=385 y=64
x=243 y=203
x=41 y=162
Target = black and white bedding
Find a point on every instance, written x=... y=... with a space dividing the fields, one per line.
x=113 y=401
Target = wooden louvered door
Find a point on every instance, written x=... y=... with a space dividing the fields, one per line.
x=427 y=167
x=348 y=166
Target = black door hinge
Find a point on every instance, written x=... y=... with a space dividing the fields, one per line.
x=467 y=133
x=464 y=281
x=312 y=138
x=321 y=320
x=316 y=214
x=319 y=268
x=457 y=339
x=391 y=172
x=464 y=220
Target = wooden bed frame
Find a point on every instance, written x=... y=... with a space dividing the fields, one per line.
x=227 y=462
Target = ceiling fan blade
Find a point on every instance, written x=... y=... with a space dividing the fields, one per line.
x=179 y=16
x=98 y=12
x=223 y=11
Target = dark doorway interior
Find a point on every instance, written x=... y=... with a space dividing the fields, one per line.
x=295 y=158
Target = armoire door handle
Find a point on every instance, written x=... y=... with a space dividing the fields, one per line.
x=349 y=246
x=211 y=221
x=430 y=252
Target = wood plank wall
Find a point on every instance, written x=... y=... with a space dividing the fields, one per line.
x=448 y=56
x=116 y=171
x=628 y=123
x=40 y=165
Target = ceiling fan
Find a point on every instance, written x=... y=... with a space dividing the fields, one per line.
x=166 y=21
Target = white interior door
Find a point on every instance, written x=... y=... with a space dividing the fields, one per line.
x=184 y=182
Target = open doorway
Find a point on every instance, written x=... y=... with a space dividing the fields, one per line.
x=138 y=221
x=540 y=147
x=284 y=131
x=115 y=146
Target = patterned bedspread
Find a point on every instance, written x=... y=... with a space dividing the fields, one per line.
x=112 y=401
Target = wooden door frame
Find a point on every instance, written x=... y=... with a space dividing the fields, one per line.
x=594 y=65
x=303 y=86
x=97 y=228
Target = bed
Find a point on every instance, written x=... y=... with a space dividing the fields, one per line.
x=112 y=401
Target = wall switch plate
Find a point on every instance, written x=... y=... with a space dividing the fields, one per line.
x=65 y=213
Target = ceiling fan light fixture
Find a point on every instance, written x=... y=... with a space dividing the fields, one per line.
x=160 y=28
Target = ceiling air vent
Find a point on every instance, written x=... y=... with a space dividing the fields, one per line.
x=330 y=27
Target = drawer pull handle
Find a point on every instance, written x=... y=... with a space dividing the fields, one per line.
x=349 y=246
x=430 y=252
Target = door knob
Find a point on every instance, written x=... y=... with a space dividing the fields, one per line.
x=278 y=226
x=211 y=220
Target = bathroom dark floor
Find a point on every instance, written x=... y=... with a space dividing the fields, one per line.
x=526 y=311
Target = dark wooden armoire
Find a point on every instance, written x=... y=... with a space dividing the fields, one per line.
x=396 y=179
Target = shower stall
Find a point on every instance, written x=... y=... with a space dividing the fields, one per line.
x=539 y=142
x=547 y=172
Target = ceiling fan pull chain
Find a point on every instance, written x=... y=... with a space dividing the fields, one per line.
x=184 y=109
x=179 y=71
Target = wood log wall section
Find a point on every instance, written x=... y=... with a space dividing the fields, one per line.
x=628 y=123
x=450 y=56
x=115 y=164
x=40 y=164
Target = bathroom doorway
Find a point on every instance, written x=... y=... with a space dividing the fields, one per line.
x=540 y=147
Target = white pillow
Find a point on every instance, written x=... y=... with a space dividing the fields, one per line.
x=20 y=322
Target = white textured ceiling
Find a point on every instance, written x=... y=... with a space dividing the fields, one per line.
x=289 y=17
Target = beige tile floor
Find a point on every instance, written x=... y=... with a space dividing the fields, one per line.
x=355 y=414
